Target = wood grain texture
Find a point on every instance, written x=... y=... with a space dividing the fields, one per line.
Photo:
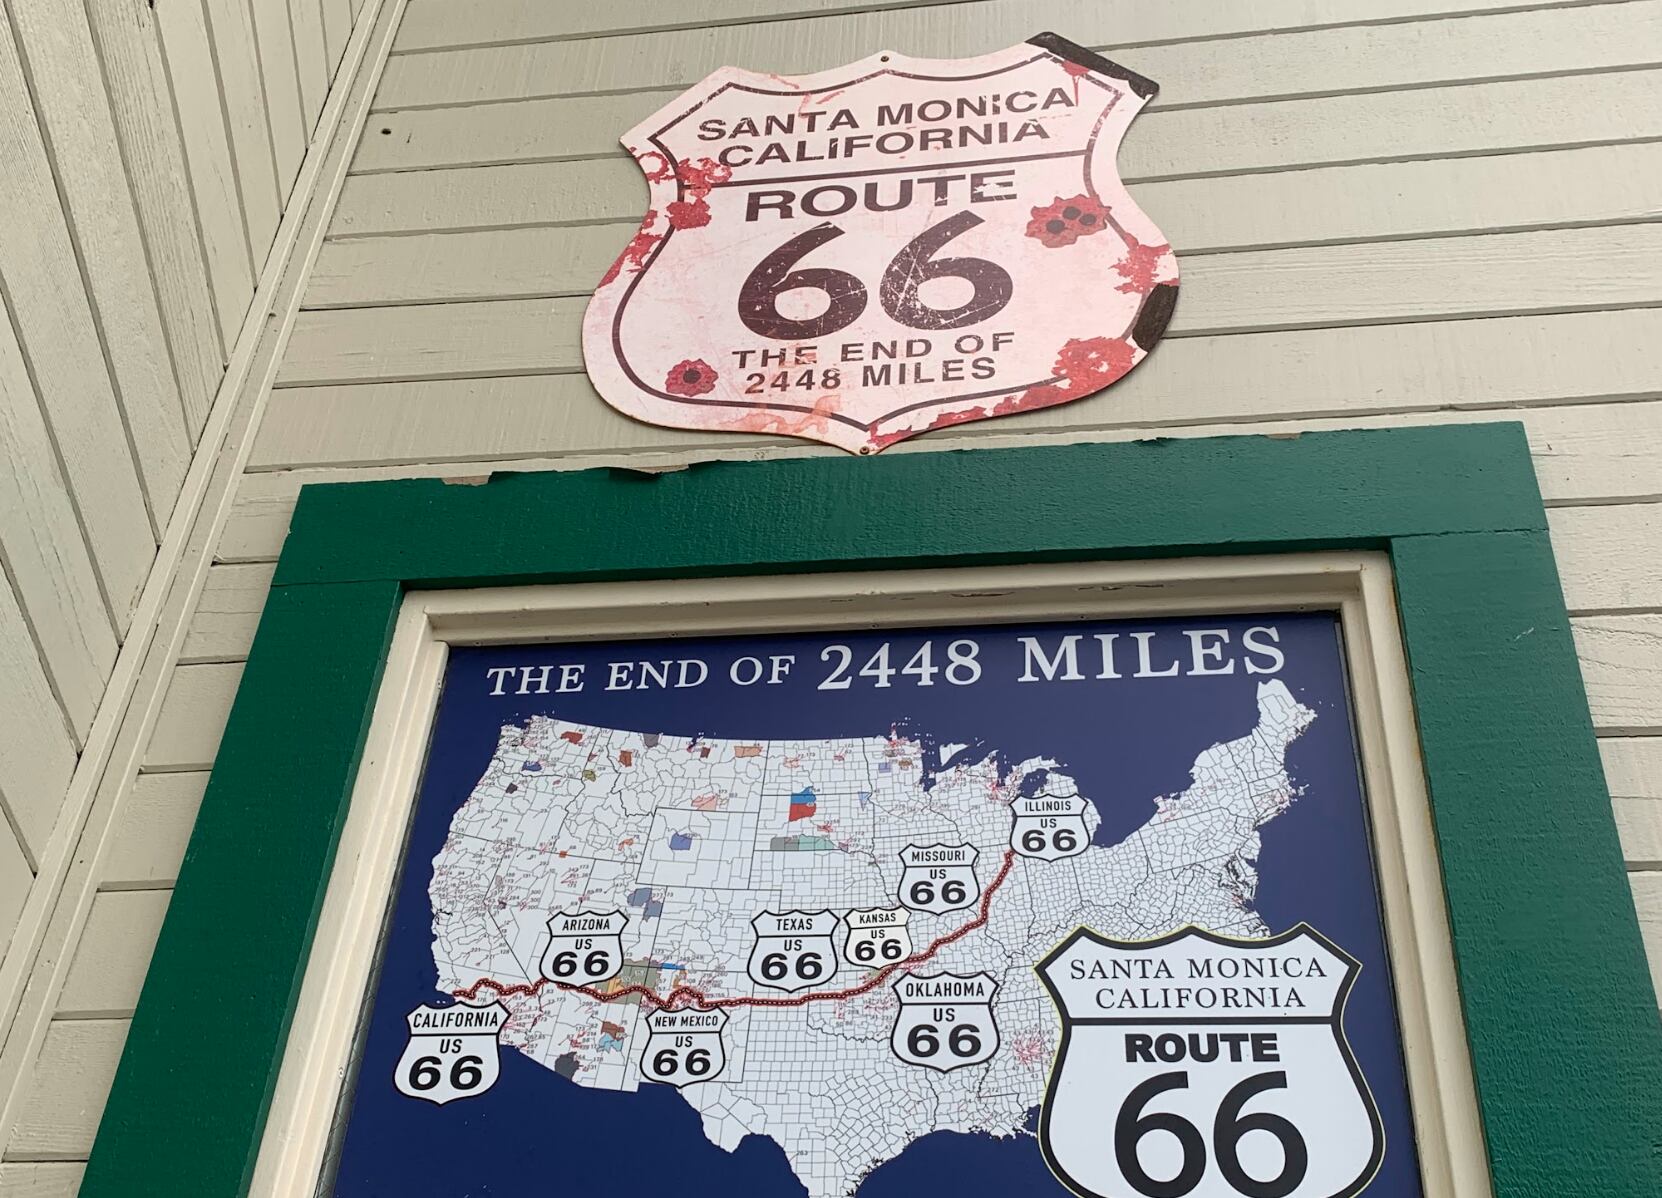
x=74 y=110
x=337 y=27
x=46 y=557
x=280 y=81
x=242 y=95
x=141 y=101
x=188 y=52
x=57 y=1179
x=1599 y=185
x=151 y=829
x=37 y=749
x=1621 y=663
x=110 y=960
x=1276 y=63
x=438 y=24
x=311 y=58
x=66 y=1090
x=1278 y=135
x=1647 y=898
x=54 y=325
x=192 y=717
x=1612 y=554
x=17 y=875
x=226 y=615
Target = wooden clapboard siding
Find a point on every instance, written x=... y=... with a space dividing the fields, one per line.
x=440 y=24
x=109 y=963
x=67 y=1090
x=280 y=80
x=1551 y=39
x=148 y=840
x=223 y=626
x=1633 y=769
x=310 y=56
x=1458 y=119
x=61 y=67
x=188 y=52
x=17 y=875
x=152 y=150
x=53 y=1179
x=564 y=253
x=54 y=324
x=236 y=66
x=337 y=26
x=192 y=718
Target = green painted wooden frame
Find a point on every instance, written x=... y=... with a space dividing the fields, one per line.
x=1565 y=1039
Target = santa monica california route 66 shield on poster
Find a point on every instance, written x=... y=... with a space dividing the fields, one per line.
x=874 y=251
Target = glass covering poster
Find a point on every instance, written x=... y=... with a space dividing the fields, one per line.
x=952 y=912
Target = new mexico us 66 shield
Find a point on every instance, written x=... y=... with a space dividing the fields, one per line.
x=893 y=246
x=1195 y=1065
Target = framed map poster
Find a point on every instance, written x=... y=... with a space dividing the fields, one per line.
x=1114 y=845
x=819 y=912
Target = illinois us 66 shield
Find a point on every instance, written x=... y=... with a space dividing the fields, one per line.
x=1194 y=1065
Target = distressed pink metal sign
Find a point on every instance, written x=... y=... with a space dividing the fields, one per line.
x=894 y=246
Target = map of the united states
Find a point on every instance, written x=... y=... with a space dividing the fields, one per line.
x=694 y=839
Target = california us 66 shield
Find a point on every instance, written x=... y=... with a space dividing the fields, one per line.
x=1195 y=1065
x=452 y=1052
x=893 y=246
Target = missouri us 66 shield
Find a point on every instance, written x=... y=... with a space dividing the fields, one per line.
x=1199 y=1066
x=892 y=246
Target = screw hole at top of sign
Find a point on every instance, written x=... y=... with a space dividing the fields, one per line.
x=883 y=58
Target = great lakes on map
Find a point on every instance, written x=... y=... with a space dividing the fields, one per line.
x=694 y=839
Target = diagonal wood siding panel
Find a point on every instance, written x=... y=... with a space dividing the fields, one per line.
x=280 y=81
x=236 y=66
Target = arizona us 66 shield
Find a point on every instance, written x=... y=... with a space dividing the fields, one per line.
x=1199 y=1065
x=897 y=245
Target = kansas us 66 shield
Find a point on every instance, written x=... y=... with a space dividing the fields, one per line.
x=897 y=245
x=1199 y=1065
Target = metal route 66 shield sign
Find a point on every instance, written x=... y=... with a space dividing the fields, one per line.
x=894 y=246
x=452 y=1052
x=1199 y=1066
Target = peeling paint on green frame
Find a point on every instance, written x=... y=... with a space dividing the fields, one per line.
x=1562 y=1020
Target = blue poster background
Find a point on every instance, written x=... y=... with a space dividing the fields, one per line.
x=1125 y=741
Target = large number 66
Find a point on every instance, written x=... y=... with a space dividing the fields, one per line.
x=1228 y=1128
x=914 y=266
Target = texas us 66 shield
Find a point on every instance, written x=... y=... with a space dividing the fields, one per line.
x=1198 y=1065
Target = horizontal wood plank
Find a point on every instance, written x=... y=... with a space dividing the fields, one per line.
x=192 y=718
x=113 y=953
x=1276 y=62
x=441 y=24
x=55 y=1179
x=1613 y=553
x=1621 y=663
x=152 y=826
x=66 y=1090
x=1257 y=291
x=1633 y=770
x=1599 y=185
x=1647 y=898
x=1581 y=453
x=222 y=627
x=1281 y=135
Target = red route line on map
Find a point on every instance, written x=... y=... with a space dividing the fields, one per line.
x=699 y=1001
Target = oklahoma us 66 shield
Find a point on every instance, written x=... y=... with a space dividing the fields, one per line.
x=1219 y=1067
x=452 y=1052
x=892 y=246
